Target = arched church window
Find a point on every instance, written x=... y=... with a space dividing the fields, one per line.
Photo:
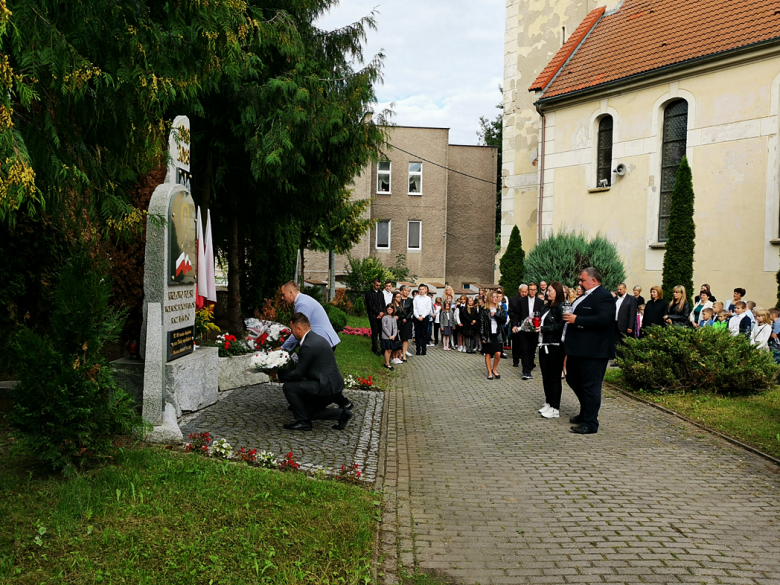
x=605 y=152
x=675 y=141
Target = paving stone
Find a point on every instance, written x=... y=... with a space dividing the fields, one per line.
x=481 y=480
x=253 y=417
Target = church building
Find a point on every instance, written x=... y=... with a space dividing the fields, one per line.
x=602 y=99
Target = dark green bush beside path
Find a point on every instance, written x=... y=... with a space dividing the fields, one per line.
x=160 y=517
x=671 y=359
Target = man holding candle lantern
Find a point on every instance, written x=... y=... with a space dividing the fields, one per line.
x=589 y=340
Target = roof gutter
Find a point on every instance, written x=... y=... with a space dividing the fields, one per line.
x=648 y=75
x=541 y=176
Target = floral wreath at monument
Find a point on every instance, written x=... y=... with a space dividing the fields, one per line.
x=265 y=336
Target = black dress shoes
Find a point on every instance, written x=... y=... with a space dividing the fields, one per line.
x=348 y=405
x=343 y=420
x=575 y=420
x=583 y=430
x=298 y=425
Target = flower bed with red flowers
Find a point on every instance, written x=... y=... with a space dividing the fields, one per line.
x=359 y=331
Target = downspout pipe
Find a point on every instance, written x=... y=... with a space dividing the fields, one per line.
x=541 y=174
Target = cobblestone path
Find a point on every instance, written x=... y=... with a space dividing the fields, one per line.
x=253 y=417
x=483 y=489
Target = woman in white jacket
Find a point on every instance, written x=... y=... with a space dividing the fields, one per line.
x=704 y=303
x=761 y=333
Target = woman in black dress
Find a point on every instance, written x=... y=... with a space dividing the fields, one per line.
x=551 y=352
x=470 y=319
x=491 y=319
x=405 y=323
x=655 y=309
x=679 y=310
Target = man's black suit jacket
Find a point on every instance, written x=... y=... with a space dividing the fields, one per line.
x=518 y=309
x=592 y=335
x=316 y=362
x=626 y=317
x=375 y=303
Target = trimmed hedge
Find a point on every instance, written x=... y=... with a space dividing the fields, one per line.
x=674 y=359
x=338 y=318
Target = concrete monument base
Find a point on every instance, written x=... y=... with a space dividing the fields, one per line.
x=191 y=382
x=168 y=433
x=236 y=372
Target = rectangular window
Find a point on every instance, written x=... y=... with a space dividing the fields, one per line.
x=414 y=235
x=415 y=178
x=383 y=175
x=383 y=234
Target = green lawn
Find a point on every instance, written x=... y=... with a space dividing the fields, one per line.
x=754 y=420
x=164 y=517
x=354 y=356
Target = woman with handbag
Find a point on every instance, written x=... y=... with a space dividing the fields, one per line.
x=551 y=353
x=405 y=323
x=491 y=319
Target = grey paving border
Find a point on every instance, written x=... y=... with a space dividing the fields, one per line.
x=723 y=436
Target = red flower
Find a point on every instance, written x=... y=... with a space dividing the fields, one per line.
x=263 y=338
x=227 y=345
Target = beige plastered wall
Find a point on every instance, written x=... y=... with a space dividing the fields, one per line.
x=534 y=33
x=733 y=151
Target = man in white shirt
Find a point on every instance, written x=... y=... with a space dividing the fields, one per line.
x=388 y=293
x=625 y=313
x=422 y=307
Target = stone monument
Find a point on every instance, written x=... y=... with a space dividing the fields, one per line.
x=173 y=378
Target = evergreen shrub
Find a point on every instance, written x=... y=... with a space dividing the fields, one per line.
x=67 y=406
x=674 y=359
x=564 y=255
x=359 y=307
x=512 y=264
x=678 y=259
x=338 y=318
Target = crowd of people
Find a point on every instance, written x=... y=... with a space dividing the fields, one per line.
x=540 y=320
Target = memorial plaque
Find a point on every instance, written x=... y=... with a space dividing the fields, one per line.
x=183 y=251
x=180 y=342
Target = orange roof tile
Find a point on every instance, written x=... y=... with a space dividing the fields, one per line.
x=647 y=35
x=567 y=49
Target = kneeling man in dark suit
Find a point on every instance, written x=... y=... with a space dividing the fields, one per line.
x=311 y=386
x=589 y=344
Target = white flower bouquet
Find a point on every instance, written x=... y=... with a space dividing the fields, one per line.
x=272 y=361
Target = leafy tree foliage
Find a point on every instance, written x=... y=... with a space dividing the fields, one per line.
x=564 y=255
x=678 y=260
x=360 y=273
x=512 y=264
x=280 y=143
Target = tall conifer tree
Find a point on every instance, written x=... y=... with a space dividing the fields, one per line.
x=512 y=264
x=678 y=260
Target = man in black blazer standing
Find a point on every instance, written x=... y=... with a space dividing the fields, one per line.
x=523 y=305
x=315 y=381
x=375 y=308
x=625 y=313
x=590 y=344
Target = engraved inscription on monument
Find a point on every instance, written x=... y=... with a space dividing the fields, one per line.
x=180 y=342
x=179 y=306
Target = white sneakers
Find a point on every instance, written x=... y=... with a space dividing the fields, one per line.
x=409 y=353
x=548 y=411
x=396 y=361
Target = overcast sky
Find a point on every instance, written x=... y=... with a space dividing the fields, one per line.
x=444 y=60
